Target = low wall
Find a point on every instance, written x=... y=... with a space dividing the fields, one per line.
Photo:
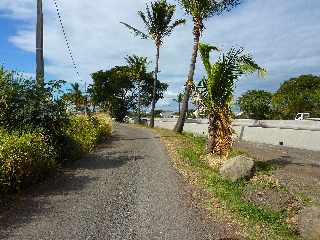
x=297 y=134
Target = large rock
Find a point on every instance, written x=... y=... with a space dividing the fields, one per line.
x=237 y=168
x=309 y=223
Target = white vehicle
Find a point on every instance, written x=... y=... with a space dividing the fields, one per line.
x=302 y=116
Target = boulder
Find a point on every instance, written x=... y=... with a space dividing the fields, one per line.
x=237 y=168
x=309 y=223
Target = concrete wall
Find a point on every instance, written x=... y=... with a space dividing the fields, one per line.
x=297 y=134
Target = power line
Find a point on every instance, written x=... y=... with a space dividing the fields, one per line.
x=68 y=44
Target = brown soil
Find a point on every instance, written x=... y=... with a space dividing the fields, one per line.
x=298 y=170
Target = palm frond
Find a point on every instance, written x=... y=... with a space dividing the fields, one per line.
x=174 y=25
x=136 y=31
x=205 y=50
x=145 y=20
x=248 y=65
x=203 y=9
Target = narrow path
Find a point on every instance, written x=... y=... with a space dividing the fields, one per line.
x=126 y=189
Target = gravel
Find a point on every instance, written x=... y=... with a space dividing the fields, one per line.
x=126 y=189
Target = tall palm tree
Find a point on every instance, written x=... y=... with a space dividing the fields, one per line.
x=199 y=10
x=179 y=100
x=214 y=93
x=159 y=23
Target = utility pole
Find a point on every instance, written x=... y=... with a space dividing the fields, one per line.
x=39 y=46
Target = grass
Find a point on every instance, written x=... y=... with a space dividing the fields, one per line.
x=265 y=167
x=188 y=150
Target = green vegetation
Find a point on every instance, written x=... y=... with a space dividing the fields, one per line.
x=188 y=152
x=125 y=88
x=301 y=94
x=75 y=97
x=159 y=23
x=256 y=104
x=24 y=158
x=213 y=95
x=37 y=133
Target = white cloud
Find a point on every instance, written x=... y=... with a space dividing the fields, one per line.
x=283 y=36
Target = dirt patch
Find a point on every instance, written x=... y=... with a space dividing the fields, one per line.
x=297 y=169
x=272 y=199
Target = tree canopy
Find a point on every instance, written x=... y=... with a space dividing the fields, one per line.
x=158 y=21
x=256 y=104
x=125 y=88
x=300 y=94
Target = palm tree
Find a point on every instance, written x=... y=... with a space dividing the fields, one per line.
x=159 y=23
x=138 y=69
x=179 y=100
x=75 y=96
x=214 y=93
x=199 y=10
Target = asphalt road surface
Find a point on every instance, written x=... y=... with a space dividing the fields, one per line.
x=126 y=189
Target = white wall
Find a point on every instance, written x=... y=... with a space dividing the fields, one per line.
x=297 y=134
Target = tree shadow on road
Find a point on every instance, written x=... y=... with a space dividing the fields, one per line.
x=39 y=200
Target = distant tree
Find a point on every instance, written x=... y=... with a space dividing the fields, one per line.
x=301 y=94
x=179 y=100
x=200 y=11
x=142 y=93
x=110 y=91
x=75 y=96
x=214 y=94
x=125 y=88
x=159 y=23
x=256 y=104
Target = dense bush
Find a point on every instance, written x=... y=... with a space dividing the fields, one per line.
x=25 y=107
x=86 y=132
x=24 y=158
x=29 y=157
x=37 y=132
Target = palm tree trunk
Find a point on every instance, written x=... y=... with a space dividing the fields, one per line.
x=179 y=108
x=220 y=132
x=211 y=134
x=182 y=118
x=153 y=105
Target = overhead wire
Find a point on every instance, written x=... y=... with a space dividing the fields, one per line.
x=67 y=42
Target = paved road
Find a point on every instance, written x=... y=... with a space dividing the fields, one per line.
x=124 y=190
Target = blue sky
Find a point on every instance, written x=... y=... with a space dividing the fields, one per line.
x=282 y=35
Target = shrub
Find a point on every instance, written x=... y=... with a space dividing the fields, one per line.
x=25 y=107
x=84 y=133
x=24 y=158
x=104 y=124
x=36 y=131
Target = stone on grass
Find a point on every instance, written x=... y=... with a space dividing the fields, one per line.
x=240 y=167
x=309 y=223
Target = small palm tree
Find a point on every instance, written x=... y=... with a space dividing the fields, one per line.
x=159 y=24
x=214 y=93
x=179 y=100
x=75 y=96
x=199 y=10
